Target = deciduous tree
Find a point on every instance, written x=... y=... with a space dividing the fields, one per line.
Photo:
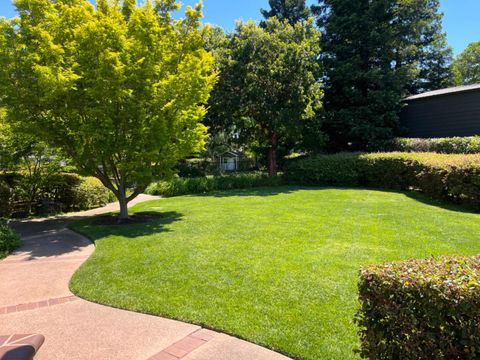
x=118 y=87
x=269 y=86
x=467 y=65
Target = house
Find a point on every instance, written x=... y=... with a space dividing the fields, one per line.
x=442 y=113
x=230 y=161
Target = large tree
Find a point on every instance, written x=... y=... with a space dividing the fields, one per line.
x=363 y=87
x=120 y=89
x=422 y=44
x=375 y=52
x=269 y=86
x=291 y=10
x=467 y=65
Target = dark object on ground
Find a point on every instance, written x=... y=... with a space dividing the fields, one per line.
x=138 y=218
x=20 y=347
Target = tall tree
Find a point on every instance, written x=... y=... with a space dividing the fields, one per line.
x=422 y=45
x=118 y=88
x=291 y=10
x=269 y=86
x=466 y=66
x=363 y=87
x=375 y=53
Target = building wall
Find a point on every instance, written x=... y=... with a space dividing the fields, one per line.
x=456 y=114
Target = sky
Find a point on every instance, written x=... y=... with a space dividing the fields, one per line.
x=461 y=21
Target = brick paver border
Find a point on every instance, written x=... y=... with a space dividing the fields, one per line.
x=37 y=305
x=185 y=346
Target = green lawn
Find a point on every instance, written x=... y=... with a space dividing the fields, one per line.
x=275 y=266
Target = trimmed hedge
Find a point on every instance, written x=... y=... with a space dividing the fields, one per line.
x=440 y=176
x=184 y=186
x=453 y=145
x=9 y=239
x=428 y=309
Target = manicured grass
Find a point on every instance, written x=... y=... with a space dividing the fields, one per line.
x=276 y=266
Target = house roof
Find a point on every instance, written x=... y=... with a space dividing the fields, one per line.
x=447 y=91
x=231 y=153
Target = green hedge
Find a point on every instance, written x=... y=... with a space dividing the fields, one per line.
x=60 y=193
x=446 y=177
x=184 y=186
x=453 y=145
x=73 y=192
x=427 y=309
x=9 y=239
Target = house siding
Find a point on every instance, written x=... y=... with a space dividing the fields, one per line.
x=455 y=114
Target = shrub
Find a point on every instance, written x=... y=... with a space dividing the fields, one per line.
x=9 y=240
x=428 y=309
x=183 y=186
x=6 y=199
x=440 y=176
x=74 y=192
x=336 y=170
x=453 y=145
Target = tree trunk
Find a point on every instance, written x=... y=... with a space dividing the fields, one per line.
x=272 y=156
x=122 y=200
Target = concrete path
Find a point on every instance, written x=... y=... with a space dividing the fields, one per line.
x=35 y=298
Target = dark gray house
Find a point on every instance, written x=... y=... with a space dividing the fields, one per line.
x=442 y=113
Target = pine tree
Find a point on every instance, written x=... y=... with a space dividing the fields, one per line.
x=363 y=88
x=291 y=10
x=375 y=53
x=422 y=45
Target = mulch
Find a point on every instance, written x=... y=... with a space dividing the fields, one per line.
x=137 y=218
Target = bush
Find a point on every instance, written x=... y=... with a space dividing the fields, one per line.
x=183 y=186
x=440 y=176
x=454 y=145
x=9 y=240
x=6 y=199
x=427 y=309
x=74 y=192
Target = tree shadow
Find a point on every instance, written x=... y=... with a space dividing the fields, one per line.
x=260 y=191
x=47 y=238
x=156 y=225
x=289 y=189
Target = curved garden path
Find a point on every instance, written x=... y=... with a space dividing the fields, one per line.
x=35 y=298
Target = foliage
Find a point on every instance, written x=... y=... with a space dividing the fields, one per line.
x=9 y=239
x=421 y=309
x=293 y=11
x=199 y=185
x=59 y=192
x=72 y=192
x=268 y=261
x=466 y=66
x=119 y=89
x=422 y=45
x=454 y=145
x=269 y=85
x=6 y=199
x=368 y=73
x=440 y=176
x=24 y=154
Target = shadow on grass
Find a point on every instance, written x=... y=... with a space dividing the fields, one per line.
x=95 y=232
x=289 y=189
x=257 y=191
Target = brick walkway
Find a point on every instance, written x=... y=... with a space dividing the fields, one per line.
x=35 y=298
